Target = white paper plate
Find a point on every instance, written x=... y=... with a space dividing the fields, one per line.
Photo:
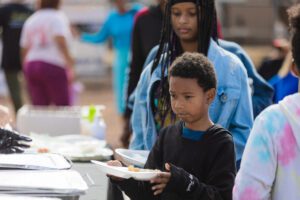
x=133 y=157
x=97 y=154
x=123 y=172
x=74 y=147
x=14 y=197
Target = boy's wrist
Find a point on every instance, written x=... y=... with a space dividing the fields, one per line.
x=181 y=181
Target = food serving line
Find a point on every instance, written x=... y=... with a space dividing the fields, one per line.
x=77 y=134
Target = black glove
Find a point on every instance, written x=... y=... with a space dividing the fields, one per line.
x=181 y=181
x=11 y=142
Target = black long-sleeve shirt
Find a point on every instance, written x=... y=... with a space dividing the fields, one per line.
x=202 y=169
x=146 y=34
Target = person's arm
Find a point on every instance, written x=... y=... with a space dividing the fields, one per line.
x=61 y=34
x=136 y=65
x=138 y=190
x=24 y=44
x=24 y=52
x=257 y=173
x=262 y=92
x=101 y=36
x=63 y=47
x=140 y=103
x=151 y=56
x=242 y=119
x=139 y=113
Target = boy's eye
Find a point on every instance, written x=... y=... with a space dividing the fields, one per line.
x=188 y=97
x=172 y=96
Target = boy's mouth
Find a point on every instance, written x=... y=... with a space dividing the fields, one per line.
x=181 y=115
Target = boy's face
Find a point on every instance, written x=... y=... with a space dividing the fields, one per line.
x=184 y=21
x=189 y=102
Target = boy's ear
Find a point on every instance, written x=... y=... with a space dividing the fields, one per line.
x=210 y=95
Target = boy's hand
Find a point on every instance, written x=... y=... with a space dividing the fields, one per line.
x=115 y=163
x=161 y=180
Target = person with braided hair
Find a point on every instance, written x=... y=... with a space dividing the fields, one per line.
x=188 y=26
x=271 y=163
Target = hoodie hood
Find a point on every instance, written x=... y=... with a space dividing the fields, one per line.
x=290 y=107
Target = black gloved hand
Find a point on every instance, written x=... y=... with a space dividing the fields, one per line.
x=11 y=142
x=181 y=181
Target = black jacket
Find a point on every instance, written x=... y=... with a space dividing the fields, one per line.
x=146 y=34
x=12 y=19
x=200 y=170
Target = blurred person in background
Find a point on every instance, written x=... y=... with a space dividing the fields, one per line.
x=117 y=26
x=284 y=82
x=272 y=63
x=276 y=69
x=12 y=18
x=281 y=18
x=271 y=162
x=47 y=63
x=146 y=34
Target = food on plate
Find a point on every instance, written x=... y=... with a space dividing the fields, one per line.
x=135 y=169
x=43 y=150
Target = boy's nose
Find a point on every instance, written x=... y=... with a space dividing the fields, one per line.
x=178 y=105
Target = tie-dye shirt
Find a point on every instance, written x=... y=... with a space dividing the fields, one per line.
x=270 y=166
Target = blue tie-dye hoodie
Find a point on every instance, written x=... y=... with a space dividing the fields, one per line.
x=270 y=166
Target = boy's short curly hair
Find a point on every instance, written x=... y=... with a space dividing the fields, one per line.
x=195 y=66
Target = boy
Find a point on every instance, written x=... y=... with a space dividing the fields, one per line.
x=197 y=156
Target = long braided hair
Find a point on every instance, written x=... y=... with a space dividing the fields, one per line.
x=170 y=47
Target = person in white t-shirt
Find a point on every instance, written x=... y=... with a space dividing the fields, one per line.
x=47 y=63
